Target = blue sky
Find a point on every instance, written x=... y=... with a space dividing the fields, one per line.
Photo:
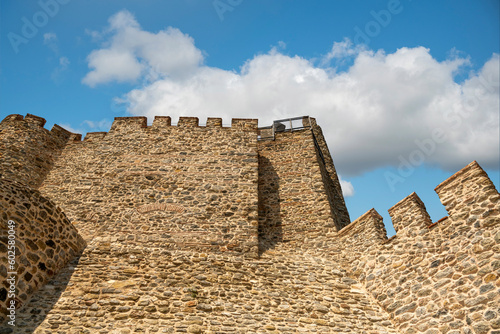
x=407 y=92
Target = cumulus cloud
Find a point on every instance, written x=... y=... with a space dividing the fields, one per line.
x=381 y=110
x=131 y=52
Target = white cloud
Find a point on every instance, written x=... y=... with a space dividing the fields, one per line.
x=58 y=72
x=132 y=52
x=64 y=62
x=342 y=50
x=49 y=37
x=378 y=112
x=347 y=187
x=50 y=40
x=102 y=125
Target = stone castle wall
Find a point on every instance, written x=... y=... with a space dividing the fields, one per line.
x=441 y=277
x=126 y=289
x=36 y=241
x=299 y=189
x=292 y=200
x=173 y=217
x=181 y=186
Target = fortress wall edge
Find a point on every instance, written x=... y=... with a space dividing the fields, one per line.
x=36 y=241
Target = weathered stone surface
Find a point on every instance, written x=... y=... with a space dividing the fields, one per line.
x=205 y=229
x=36 y=240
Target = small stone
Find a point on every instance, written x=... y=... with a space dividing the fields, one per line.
x=486 y=288
x=123 y=309
x=481 y=328
x=204 y=307
x=321 y=308
x=196 y=329
x=321 y=322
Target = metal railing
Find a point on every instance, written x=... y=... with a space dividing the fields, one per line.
x=283 y=125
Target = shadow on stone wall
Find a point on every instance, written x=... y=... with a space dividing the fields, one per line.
x=31 y=315
x=270 y=225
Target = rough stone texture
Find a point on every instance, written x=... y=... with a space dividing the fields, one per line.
x=157 y=291
x=297 y=192
x=442 y=278
x=181 y=186
x=330 y=178
x=172 y=216
x=42 y=241
x=409 y=215
x=28 y=150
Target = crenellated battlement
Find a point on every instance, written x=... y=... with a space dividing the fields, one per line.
x=214 y=122
x=409 y=215
x=40 y=121
x=188 y=122
x=469 y=192
x=138 y=124
x=434 y=263
x=127 y=124
x=28 y=150
x=57 y=131
x=14 y=117
x=131 y=124
x=94 y=136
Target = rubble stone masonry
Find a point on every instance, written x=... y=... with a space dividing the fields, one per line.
x=36 y=241
x=181 y=186
x=207 y=229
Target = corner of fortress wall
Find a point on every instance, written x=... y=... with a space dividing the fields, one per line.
x=330 y=177
x=300 y=197
x=36 y=238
